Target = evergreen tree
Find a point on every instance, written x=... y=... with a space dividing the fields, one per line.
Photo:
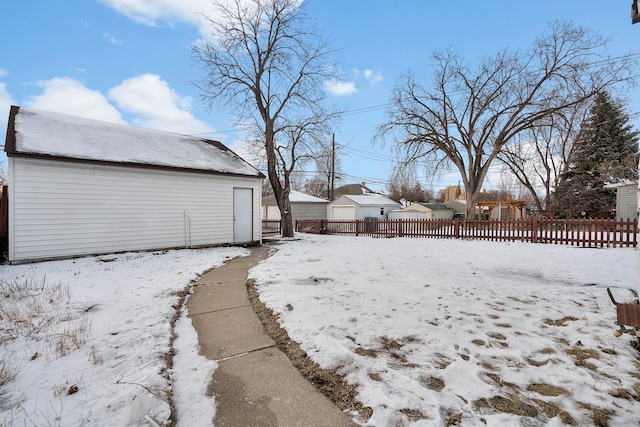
x=605 y=152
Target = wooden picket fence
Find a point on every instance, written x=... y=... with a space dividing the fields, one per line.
x=575 y=232
x=270 y=227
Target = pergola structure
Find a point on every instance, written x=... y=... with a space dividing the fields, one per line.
x=512 y=205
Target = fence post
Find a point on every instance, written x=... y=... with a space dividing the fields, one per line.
x=534 y=230
x=357 y=226
x=400 y=228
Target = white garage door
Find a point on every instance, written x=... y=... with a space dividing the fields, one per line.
x=339 y=213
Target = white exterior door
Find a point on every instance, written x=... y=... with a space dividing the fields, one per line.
x=242 y=215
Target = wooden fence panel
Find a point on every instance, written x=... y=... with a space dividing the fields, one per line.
x=270 y=227
x=575 y=232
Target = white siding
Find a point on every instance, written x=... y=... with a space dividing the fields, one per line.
x=379 y=212
x=270 y=212
x=301 y=211
x=626 y=202
x=342 y=213
x=408 y=214
x=60 y=209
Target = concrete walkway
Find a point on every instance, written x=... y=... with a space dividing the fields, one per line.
x=255 y=384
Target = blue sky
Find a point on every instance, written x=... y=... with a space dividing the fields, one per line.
x=128 y=61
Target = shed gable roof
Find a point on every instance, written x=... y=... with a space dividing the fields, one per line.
x=38 y=133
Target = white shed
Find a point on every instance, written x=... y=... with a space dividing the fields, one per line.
x=431 y=210
x=80 y=186
x=351 y=207
x=407 y=214
x=303 y=206
x=626 y=199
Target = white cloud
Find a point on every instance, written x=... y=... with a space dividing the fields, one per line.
x=153 y=12
x=68 y=96
x=6 y=101
x=374 y=78
x=340 y=88
x=112 y=39
x=3 y=72
x=156 y=105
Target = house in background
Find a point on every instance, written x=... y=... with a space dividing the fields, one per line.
x=626 y=199
x=352 y=190
x=303 y=206
x=80 y=187
x=366 y=206
x=459 y=208
x=423 y=211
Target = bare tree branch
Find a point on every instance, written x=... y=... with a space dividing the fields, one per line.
x=470 y=114
x=267 y=63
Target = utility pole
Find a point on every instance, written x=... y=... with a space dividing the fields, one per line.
x=333 y=166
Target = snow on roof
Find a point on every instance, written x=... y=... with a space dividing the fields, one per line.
x=371 y=199
x=296 y=196
x=43 y=133
x=621 y=184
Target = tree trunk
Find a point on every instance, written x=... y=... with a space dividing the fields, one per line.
x=280 y=193
x=286 y=220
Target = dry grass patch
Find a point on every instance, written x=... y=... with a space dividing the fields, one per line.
x=581 y=355
x=499 y=382
x=621 y=393
x=442 y=361
x=552 y=411
x=365 y=352
x=537 y=363
x=432 y=383
x=479 y=342
x=375 y=376
x=599 y=416
x=9 y=369
x=329 y=382
x=547 y=389
x=35 y=309
x=560 y=322
x=496 y=335
x=452 y=418
x=511 y=405
x=413 y=415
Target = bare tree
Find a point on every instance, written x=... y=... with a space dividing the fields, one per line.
x=328 y=166
x=316 y=186
x=404 y=184
x=470 y=114
x=268 y=63
x=539 y=156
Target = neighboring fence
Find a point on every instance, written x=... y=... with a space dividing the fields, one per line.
x=576 y=232
x=270 y=227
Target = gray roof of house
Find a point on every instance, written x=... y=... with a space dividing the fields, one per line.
x=436 y=206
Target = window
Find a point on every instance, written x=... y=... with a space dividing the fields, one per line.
x=381 y=211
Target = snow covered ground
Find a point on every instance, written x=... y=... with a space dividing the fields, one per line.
x=87 y=339
x=441 y=332
x=432 y=331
